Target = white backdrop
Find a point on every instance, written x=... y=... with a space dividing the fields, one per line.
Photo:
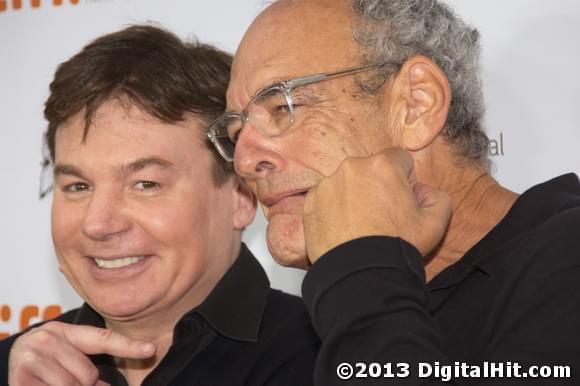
x=531 y=61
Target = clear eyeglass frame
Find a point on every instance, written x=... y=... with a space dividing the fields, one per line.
x=224 y=131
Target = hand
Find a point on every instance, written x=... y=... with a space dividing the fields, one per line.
x=55 y=354
x=374 y=196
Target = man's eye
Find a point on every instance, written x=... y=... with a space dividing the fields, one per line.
x=147 y=185
x=76 y=187
x=235 y=136
x=282 y=109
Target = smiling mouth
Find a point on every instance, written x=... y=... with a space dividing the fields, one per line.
x=117 y=263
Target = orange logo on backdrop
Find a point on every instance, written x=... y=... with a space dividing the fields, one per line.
x=26 y=315
x=17 y=4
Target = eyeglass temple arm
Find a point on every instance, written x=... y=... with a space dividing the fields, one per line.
x=309 y=79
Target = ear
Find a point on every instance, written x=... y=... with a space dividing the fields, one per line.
x=244 y=203
x=426 y=97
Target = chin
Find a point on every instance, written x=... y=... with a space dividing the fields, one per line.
x=115 y=311
x=286 y=243
x=289 y=258
x=117 y=306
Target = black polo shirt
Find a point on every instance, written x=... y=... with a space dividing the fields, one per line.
x=244 y=333
x=514 y=297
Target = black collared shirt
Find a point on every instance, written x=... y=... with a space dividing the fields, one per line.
x=514 y=297
x=244 y=333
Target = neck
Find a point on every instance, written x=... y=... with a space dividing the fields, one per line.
x=158 y=332
x=479 y=204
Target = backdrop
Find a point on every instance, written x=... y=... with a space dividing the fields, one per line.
x=531 y=58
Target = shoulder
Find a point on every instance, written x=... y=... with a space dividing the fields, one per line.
x=278 y=299
x=286 y=328
x=552 y=210
x=544 y=226
x=557 y=240
x=287 y=342
x=562 y=224
x=543 y=255
x=284 y=314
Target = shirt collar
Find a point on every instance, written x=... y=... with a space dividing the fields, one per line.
x=533 y=207
x=234 y=308
x=236 y=305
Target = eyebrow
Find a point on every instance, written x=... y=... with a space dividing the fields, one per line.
x=306 y=91
x=70 y=170
x=133 y=167
x=143 y=163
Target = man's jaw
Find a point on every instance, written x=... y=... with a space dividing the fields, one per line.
x=286 y=243
x=285 y=231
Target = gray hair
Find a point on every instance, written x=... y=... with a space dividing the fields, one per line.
x=392 y=31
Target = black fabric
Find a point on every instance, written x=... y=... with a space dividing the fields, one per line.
x=515 y=296
x=244 y=333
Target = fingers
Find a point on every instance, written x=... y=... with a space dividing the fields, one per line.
x=433 y=201
x=37 y=370
x=377 y=195
x=76 y=363
x=427 y=210
x=41 y=357
x=94 y=340
x=56 y=354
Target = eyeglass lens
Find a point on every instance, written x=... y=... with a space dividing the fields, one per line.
x=269 y=112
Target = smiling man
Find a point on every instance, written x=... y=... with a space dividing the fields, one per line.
x=358 y=124
x=147 y=225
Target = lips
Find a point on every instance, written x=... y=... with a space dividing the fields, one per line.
x=288 y=202
x=118 y=267
x=273 y=199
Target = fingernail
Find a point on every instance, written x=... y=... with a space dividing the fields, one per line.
x=147 y=348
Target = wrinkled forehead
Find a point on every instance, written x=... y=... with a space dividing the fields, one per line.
x=289 y=39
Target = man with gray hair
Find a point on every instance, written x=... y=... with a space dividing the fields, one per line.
x=358 y=126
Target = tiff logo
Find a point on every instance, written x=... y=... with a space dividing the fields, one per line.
x=17 y=4
x=26 y=316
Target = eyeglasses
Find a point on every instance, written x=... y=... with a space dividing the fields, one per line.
x=45 y=182
x=272 y=111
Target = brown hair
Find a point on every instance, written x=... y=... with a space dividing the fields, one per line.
x=151 y=67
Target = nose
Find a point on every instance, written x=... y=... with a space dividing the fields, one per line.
x=105 y=216
x=256 y=155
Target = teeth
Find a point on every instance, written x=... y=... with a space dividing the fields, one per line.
x=118 y=263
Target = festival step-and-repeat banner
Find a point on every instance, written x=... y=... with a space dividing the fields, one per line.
x=531 y=62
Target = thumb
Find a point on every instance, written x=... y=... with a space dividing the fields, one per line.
x=432 y=200
x=436 y=209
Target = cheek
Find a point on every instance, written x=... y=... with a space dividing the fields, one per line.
x=325 y=141
x=172 y=225
x=66 y=220
x=182 y=221
x=66 y=231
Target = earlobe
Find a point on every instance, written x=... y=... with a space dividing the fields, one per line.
x=427 y=99
x=244 y=204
